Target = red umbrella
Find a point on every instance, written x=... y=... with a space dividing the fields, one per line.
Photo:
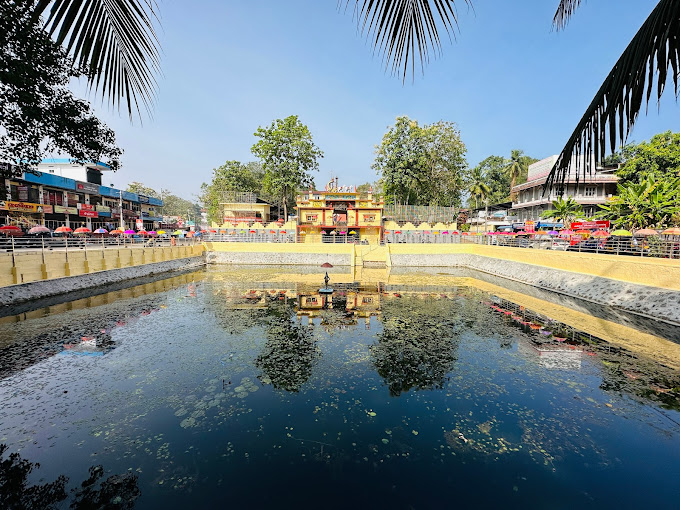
x=82 y=230
x=11 y=230
x=142 y=232
x=63 y=230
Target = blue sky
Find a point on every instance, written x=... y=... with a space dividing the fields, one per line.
x=509 y=82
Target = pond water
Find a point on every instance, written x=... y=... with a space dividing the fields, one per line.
x=212 y=389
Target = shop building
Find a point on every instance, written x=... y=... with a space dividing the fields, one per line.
x=51 y=199
x=590 y=191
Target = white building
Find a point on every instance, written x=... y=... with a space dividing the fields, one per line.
x=590 y=191
x=88 y=172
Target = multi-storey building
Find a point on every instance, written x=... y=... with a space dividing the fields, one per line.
x=48 y=197
x=529 y=200
x=341 y=212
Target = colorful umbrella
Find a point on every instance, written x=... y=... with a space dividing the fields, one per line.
x=675 y=231
x=63 y=230
x=82 y=230
x=253 y=232
x=553 y=232
x=283 y=231
x=600 y=233
x=161 y=232
x=352 y=232
x=622 y=233
x=9 y=229
x=180 y=232
x=566 y=233
x=520 y=233
x=101 y=231
x=116 y=232
x=272 y=231
x=142 y=232
x=152 y=233
x=541 y=233
x=39 y=229
x=645 y=232
x=129 y=232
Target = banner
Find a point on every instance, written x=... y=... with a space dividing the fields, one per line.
x=88 y=214
x=21 y=206
x=86 y=207
x=529 y=227
x=60 y=209
x=102 y=209
x=140 y=224
x=87 y=187
x=589 y=225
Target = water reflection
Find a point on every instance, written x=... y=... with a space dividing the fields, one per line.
x=417 y=345
x=117 y=491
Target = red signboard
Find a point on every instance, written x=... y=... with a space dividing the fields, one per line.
x=590 y=225
x=529 y=227
x=86 y=207
x=88 y=214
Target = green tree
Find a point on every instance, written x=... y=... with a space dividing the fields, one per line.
x=180 y=207
x=477 y=186
x=38 y=113
x=496 y=178
x=140 y=189
x=288 y=155
x=660 y=157
x=421 y=165
x=517 y=168
x=232 y=176
x=563 y=210
x=651 y=203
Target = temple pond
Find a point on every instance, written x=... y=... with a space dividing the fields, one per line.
x=215 y=389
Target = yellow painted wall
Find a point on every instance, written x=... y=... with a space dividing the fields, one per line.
x=663 y=273
x=31 y=266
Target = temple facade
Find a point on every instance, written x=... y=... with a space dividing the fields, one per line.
x=339 y=214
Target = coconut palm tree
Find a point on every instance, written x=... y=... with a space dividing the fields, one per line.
x=518 y=166
x=563 y=210
x=477 y=186
x=116 y=39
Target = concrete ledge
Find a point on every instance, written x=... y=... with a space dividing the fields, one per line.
x=14 y=294
x=277 y=254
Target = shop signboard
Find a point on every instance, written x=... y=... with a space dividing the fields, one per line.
x=590 y=225
x=88 y=214
x=143 y=199
x=140 y=224
x=529 y=227
x=26 y=207
x=60 y=209
x=87 y=187
x=102 y=209
x=47 y=209
x=86 y=207
x=23 y=193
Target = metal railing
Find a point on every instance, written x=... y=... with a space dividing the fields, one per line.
x=23 y=244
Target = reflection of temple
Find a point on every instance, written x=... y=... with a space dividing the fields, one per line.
x=349 y=305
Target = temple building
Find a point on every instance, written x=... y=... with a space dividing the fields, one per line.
x=340 y=214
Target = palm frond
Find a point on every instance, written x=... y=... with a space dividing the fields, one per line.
x=564 y=12
x=115 y=40
x=655 y=50
x=405 y=30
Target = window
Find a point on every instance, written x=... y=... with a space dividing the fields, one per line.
x=369 y=217
x=312 y=217
x=590 y=191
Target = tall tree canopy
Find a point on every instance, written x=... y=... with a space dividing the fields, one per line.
x=421 y=165
x=288 y=155
x=660 y=158
x=140 y=189
x=38 y=114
